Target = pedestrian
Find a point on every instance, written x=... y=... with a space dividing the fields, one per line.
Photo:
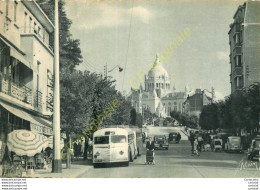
x=75 y=147
x=196 y=143
x=200 y=143
x=150 y=146
x=192 y=138
x=79 y=149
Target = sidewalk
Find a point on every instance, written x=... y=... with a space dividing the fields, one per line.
x=77 y=168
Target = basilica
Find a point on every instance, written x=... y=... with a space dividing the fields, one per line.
x=158 y=95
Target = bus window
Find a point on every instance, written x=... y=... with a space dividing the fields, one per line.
x=118 y=139
x=109 y=132
x=101 y=140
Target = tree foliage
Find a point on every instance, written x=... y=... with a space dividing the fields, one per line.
x=184 y=119
x=238 y=111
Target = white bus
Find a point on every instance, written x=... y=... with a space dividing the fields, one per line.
x=112 y=145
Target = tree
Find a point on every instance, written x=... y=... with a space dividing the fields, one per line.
x=133 y=117
x=238 y=111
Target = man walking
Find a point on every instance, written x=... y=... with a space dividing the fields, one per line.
x=192 y=139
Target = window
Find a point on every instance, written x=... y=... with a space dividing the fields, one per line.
x=39 y=30
x=25 y=21
x=239 y=82
x=101 y=140
x=237 y=38
x=238 y=61
x=15 y=10
x=43 y=35
x=30 y=24
x=118 y=139
x=175 y=106
x=7 y=8
x=34 y=28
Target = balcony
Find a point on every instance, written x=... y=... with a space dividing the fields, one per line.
x=237 y=50
x=38 y=100
x=238 y=71
x=30 y=31
x=19 y=92
x=237 y=27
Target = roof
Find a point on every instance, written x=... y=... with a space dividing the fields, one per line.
x=174 y=95
x=116 y=130
x=157 y=69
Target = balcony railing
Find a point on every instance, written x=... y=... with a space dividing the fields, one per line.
x=237 y=50
x=22 y=93
x=237 y=27
x=38 y=100
x=238 y=71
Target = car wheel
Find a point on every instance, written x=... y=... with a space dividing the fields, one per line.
x=96 y=165
x=167 y=148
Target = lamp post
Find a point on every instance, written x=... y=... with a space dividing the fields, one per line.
x=56 y=166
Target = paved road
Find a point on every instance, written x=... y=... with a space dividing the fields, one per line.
x=178 y=162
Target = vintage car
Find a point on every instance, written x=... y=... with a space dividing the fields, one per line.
x=254 y=150
x=233 y=144
x=172 y=136
x=160 y=141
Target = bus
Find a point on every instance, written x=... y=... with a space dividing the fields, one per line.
x=112 y=145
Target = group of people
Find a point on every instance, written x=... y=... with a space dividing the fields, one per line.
x=77 y=149
x=198 y=142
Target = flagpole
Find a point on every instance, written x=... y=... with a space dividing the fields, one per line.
x=56 y=166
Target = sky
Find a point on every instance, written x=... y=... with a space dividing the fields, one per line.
x=129 y=33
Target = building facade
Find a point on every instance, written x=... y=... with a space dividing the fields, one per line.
x=194 y=103
x=26 y=69
x=244 y=44
x=158 y=95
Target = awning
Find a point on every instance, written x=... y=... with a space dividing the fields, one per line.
x=38 y=124
x=17 y=55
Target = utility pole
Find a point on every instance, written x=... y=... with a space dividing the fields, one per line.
x=56 y=166
x=105 y=70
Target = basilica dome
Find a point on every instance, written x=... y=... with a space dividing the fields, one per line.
x=157 y=71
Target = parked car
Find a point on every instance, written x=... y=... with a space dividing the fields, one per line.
x=253 y=151
x=172 y=136
x=233 y=144
x=217 y=145
x=160 y=141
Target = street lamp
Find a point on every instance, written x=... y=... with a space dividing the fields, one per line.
x=57 y=165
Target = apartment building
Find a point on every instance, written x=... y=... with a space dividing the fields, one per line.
x=244 y=35
x=194 y=103
x=26 y=69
